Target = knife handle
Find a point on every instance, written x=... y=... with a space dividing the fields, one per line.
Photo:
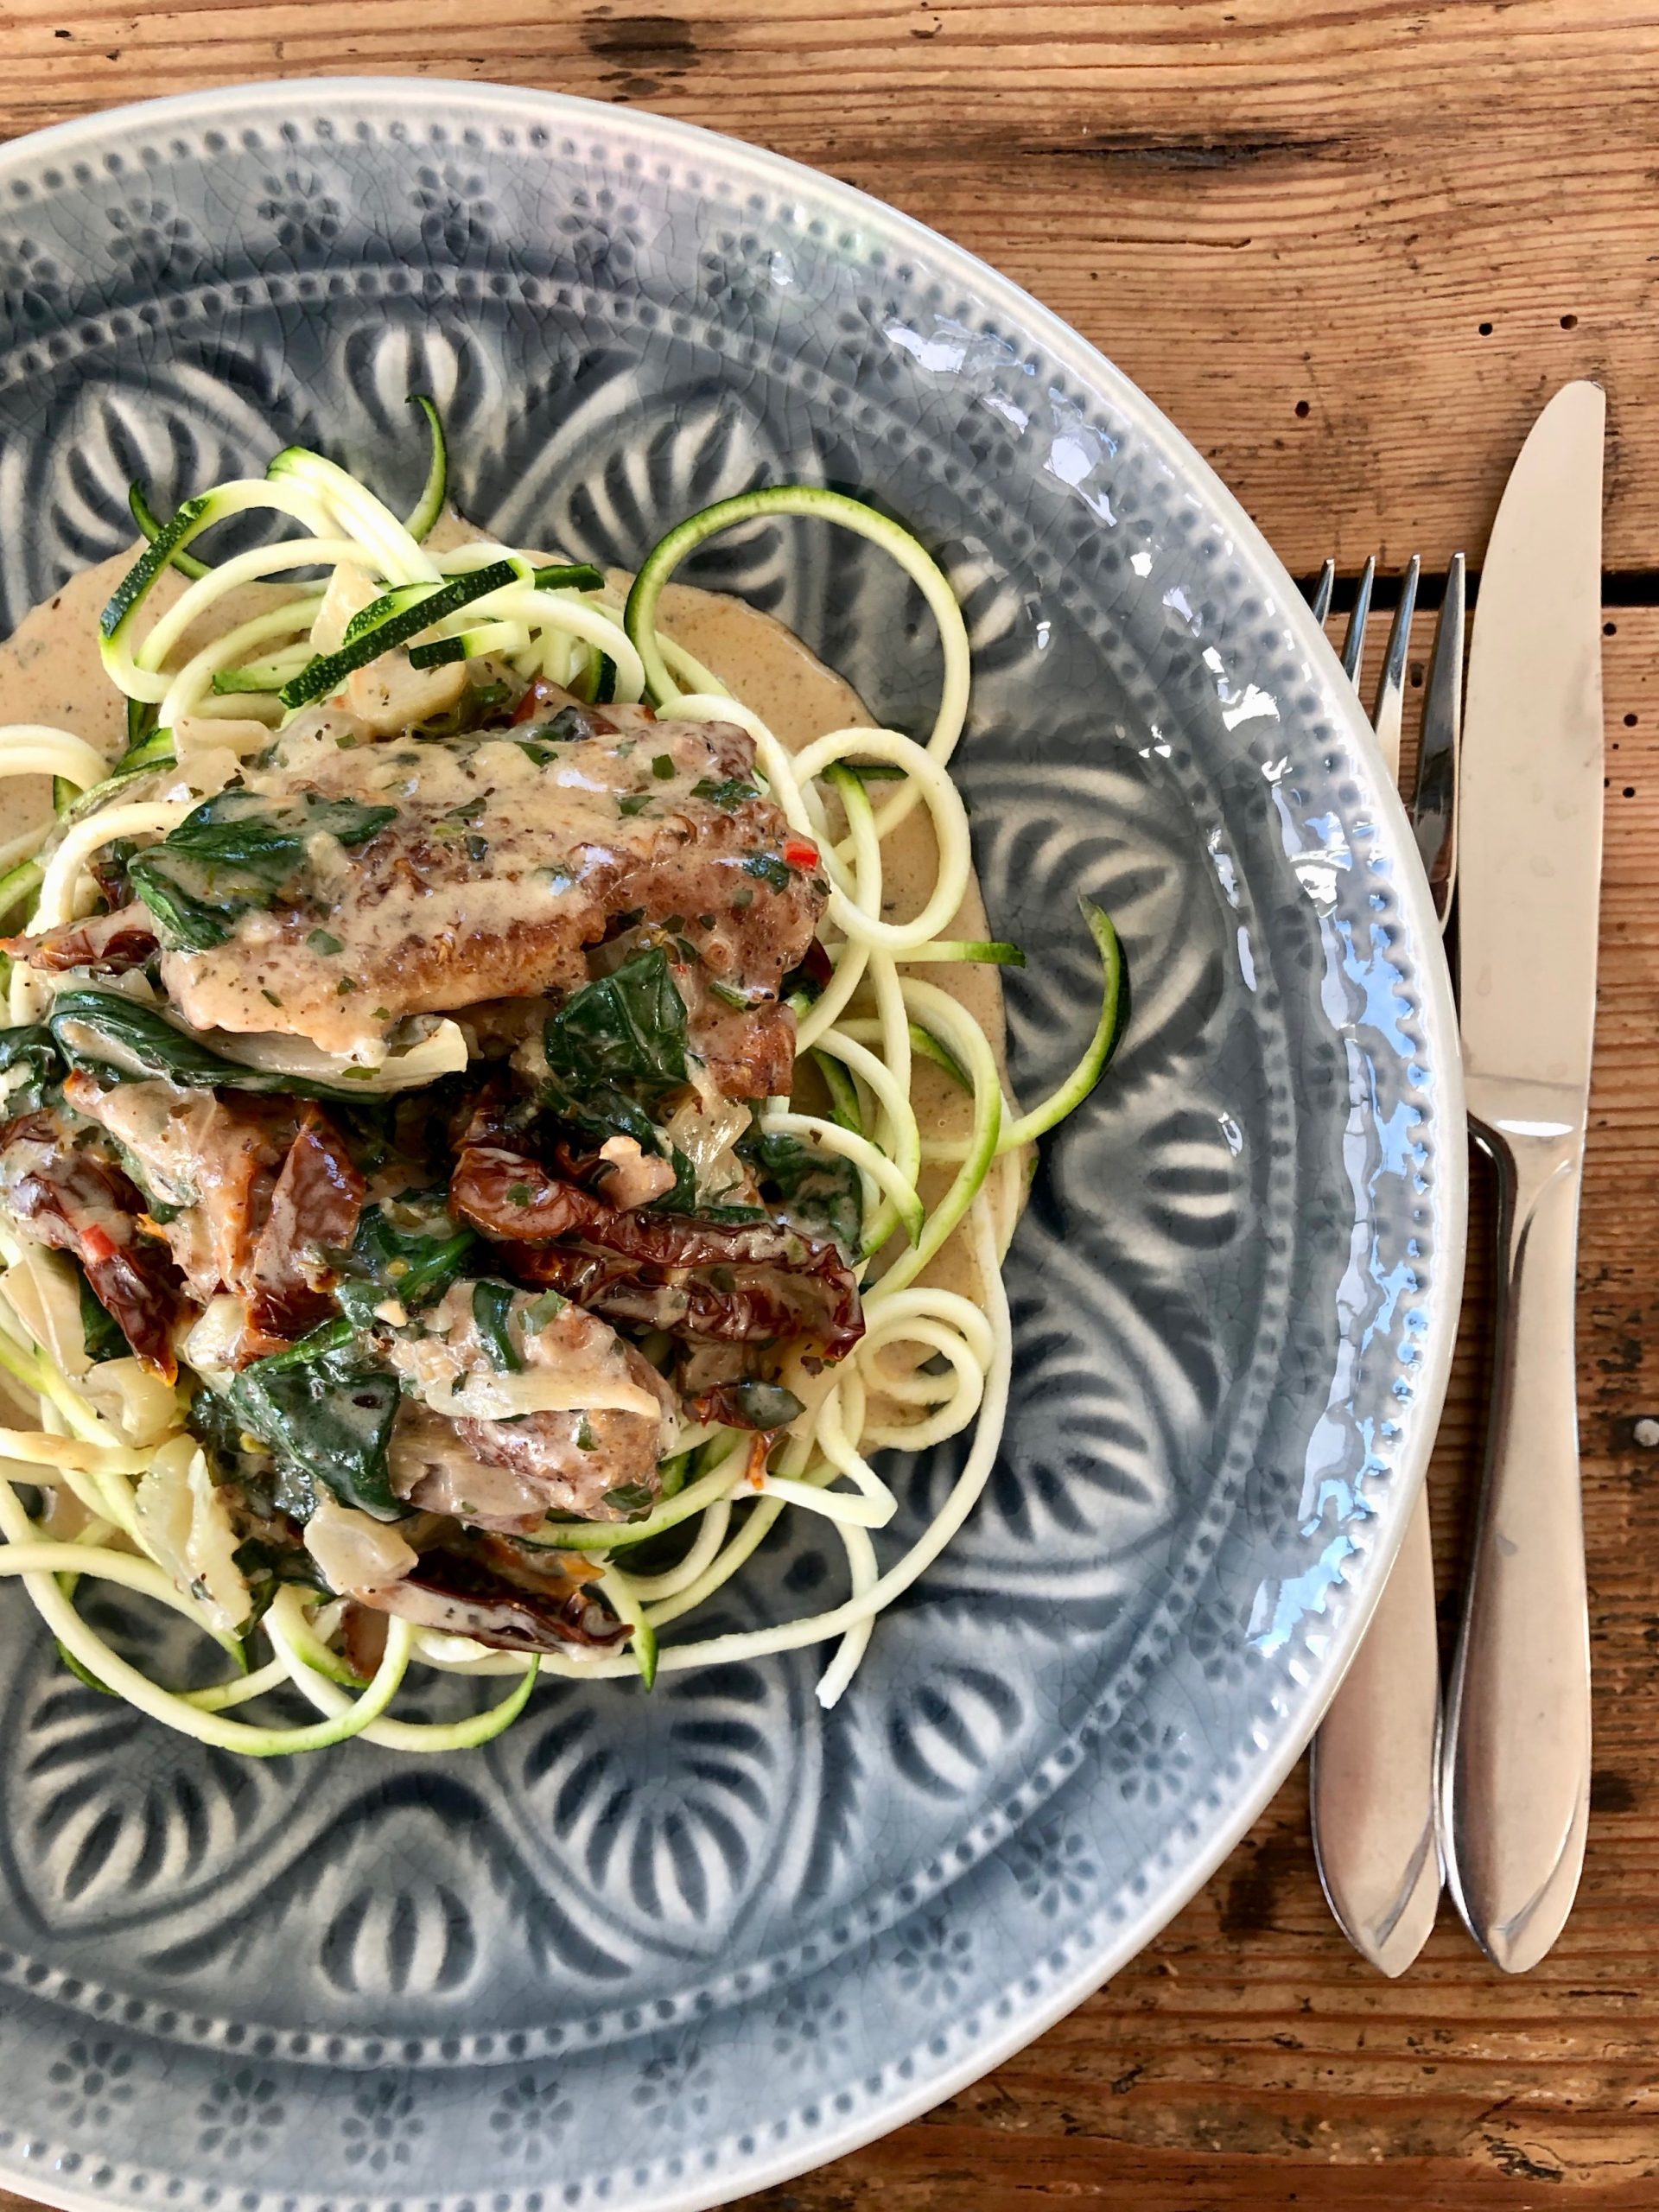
x=1515 y=1773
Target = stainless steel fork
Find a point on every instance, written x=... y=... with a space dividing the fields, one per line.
x=1376 y=1758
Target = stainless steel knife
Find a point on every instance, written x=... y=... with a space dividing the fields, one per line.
x=1516 y=1761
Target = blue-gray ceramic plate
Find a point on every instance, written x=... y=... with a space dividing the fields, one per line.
x=657 y=1951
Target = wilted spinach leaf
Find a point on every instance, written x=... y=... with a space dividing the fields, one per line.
x=634 y=1500
x=625 y=1029
x=818 y=1191
x=117 y=1038
x=684 y=1199
x=616 y=1050
x=265 y=1567
x=269 y=1484
x=492 y=1306
x=236 y=852
x=412 y=1249
x=31 y=1047
x=730 y=791
x=755 y=1404
x=330 y=1415
x=100 y=1331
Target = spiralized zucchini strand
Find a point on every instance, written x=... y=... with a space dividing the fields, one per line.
x=864 y=1031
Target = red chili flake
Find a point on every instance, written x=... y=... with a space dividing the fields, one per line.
x=97 y=1245
x=799 y=853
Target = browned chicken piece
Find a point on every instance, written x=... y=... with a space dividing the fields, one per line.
x=62 y=1194
x=596 y=1456
x=434 y=1466
x=508 y=855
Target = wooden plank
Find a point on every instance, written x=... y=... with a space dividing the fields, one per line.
x=1289 y=223
x=1339 y=246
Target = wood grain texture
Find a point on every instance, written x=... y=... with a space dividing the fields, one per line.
x=1350 y=245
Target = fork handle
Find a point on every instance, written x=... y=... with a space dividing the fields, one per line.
x=1515 y=1777
x=1374 y=1779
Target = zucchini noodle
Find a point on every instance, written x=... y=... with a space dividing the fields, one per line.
x=931 y=1364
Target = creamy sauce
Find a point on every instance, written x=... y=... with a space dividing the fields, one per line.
x=769 y=669
x=481 y=868
x=50 y=671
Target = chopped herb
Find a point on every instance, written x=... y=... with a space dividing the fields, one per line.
x=545 y=1306
x=705 y=921
x=769 y=868
x=742 y=901
x=383 y=1014
x=586 y=1440
x=320 y=941
x=729 y=995
x=634 y=1499
x=729 y=793
x=635 y=802
x=518 y=1194
x=270 y=995
x=663 y=766
x=344 y=987
x=477 y=848
x=674 y=922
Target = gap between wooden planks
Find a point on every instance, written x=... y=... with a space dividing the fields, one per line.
x=1350 y=250
x=1393 y=228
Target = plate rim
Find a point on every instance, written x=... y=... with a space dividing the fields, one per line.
x=1097 y=373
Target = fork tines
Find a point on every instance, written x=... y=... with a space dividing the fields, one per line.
x=1432 y=805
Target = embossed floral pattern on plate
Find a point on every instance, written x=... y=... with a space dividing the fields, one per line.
x=668 y=1948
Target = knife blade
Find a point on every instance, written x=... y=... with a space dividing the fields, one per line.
x=1516 y=1763
x=1434 y=802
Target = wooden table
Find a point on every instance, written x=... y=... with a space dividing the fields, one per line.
x=1350 y=250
